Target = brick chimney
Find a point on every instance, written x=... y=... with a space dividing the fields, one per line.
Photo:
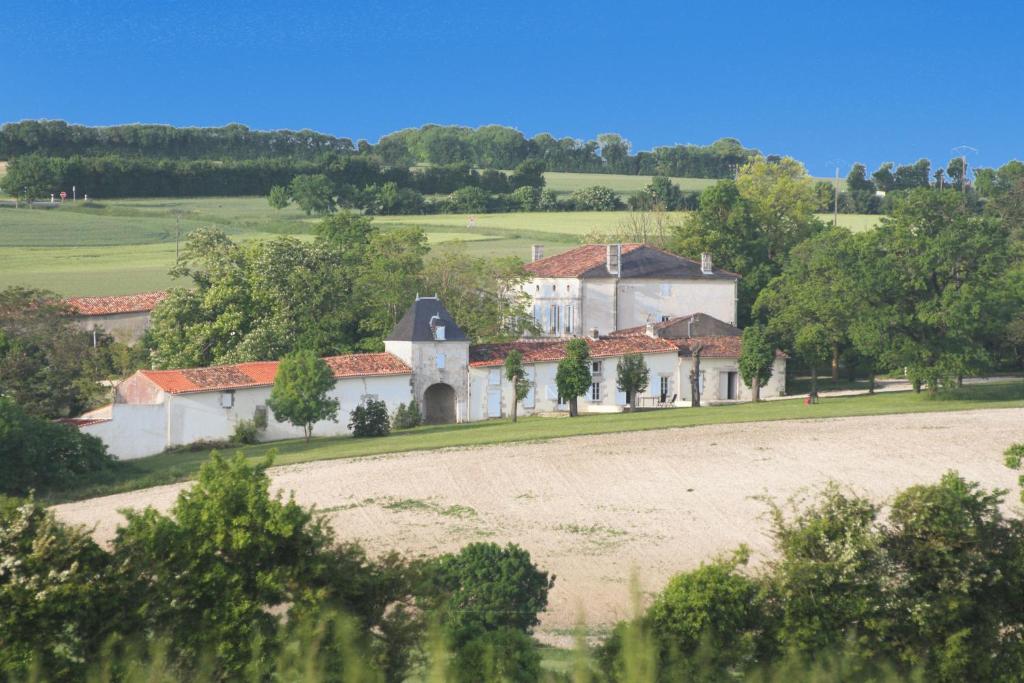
x=613 y=261
x=705 y=263
x=536 y=252
x=650 y=330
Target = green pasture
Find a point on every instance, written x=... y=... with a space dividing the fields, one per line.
x=180 y=465
x=625 y=185
x=124 y=246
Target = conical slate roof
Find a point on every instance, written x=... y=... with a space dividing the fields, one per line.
x=420 y=321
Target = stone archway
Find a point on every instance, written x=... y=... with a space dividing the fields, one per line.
x=439 y=404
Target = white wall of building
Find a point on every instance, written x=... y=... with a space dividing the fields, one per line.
x=715 y=377
x=136 y=431
x=489 y=388
x=572 y=306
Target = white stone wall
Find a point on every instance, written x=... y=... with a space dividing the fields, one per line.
x=713 y=369
x=425 y=359
x=136 y=431
x=544 y=398
x=555 y=305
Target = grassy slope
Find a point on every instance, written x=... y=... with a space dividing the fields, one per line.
x=124 y=246
x=169 y=467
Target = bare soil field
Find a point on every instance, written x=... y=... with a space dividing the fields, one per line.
x=596 y=510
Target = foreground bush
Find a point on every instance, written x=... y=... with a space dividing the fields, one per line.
x=934 y=588
x=370 y=419
x=42 y=455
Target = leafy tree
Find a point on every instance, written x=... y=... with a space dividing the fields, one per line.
x=386 y=281
x=313 y=193
x=43 y=455
x=485 y=295
x=595 y=198
x=883 y=178
x=209 y=574
x=818 y=286
x=370 y=418
x=300 y=391
x=33 y=176
x=940 y=288
x=526 y=198
x=468 y=200
x=715 y=609
x=752 y=224
x=485 y=587
x=529 y=173
x=757 y=355
x=278 y=197
x=861 y=190
x=957 y=563
x=632 y=376
x=505 y=655
x=46 y=361
x=58 y=602
x=573 y=373
x=516 y=374
x=829 y=573
x=813 y=344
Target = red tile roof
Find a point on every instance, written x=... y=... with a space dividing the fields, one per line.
x=81 y=421
x=637 y=261
x=715 y=347
x=641 y=330
x=553 y=350
x=575 y=262
x=110 y=305
x=262 y=373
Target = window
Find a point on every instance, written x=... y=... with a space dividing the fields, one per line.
x=570 y=319
x=664 y=388
x=439 y=333
x=440 y=361
x=494 y=377
x=665 y=318
x=595 y=391
x=227 y=399
x=666 y=289
x=596 y=367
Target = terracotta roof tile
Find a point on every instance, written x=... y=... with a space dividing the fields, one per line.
x=638 y=261
x=110 y=305
x=262 y=373
x=715 y=347
x=574 y=262
x=541 y=351
x=641 y=330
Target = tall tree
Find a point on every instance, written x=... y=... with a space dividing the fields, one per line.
x=313 y=193
x=632 y=376
x=573 y=373
x=516 y=374
x=757 y=355
x=45 y=358
x=299 y=395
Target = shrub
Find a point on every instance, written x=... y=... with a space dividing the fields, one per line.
x=596 y=198
x=407 y=417
x=246 y=432
x=370 y=419
x=502 y=656
x=39 y=454
x=487 y=588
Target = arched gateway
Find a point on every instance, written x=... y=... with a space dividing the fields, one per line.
x=439 y=404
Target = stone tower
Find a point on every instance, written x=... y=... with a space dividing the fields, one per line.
x=430 y=342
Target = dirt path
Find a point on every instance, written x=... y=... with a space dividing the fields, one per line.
x=594 y=509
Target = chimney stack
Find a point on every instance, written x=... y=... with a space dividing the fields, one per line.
x=650 y=330
x=536 y=252
x=614 y=259
x=594 y=334
x=705 y=263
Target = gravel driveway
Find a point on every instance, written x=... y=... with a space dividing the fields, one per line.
x=595 y=509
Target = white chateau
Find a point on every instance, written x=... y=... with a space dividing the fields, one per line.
x=622 y=299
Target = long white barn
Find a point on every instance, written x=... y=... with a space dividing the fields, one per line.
x=429 y=359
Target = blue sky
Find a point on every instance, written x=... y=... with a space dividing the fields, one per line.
x=821 y=81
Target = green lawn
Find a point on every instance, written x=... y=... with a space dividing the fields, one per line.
x=176 y=466
x=125 y=246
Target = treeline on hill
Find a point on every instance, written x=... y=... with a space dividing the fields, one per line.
x=487 y=147
x=233 y=583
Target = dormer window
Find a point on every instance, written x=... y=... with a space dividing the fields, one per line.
x=437 y=327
